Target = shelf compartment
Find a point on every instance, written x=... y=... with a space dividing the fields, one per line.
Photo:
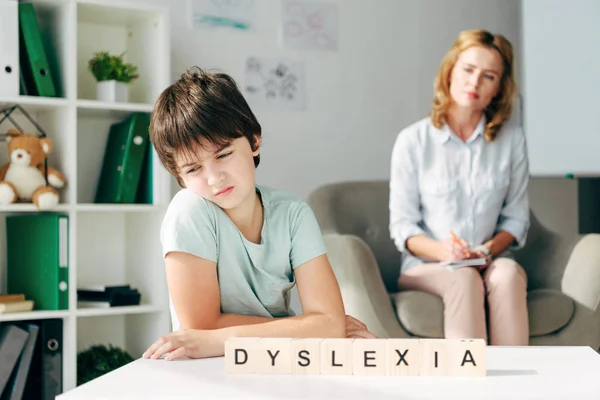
x=57 y=124
x=133 y=333
x=120 y=248
x=55 y=19
x=92 y=137
x=122 y=30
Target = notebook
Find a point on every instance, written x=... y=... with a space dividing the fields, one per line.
x=463 y=263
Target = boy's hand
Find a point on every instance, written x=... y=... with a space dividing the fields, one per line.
x=193 y=343
x=357 y=330
x=190 y=343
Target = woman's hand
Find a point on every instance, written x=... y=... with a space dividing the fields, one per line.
x=450 y=250
x=357 y=330
x=190 y=343
x=480 y=254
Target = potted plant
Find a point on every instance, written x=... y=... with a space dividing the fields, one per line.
x=98 y=360
x=112 y=75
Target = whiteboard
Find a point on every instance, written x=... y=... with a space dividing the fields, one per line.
x=561 y=86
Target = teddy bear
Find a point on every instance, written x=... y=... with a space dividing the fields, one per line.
x=22 y=178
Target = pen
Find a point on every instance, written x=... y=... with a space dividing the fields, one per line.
x=457 y=241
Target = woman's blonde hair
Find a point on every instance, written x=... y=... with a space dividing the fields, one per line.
x=500 y=108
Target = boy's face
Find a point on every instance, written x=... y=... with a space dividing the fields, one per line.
x=224 y=175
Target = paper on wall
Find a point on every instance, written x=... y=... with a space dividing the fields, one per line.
x=309 y=25
x=275 y=83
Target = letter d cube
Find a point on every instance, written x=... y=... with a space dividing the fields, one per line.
x=241 y=355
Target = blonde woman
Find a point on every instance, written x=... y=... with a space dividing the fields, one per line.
x=458 y=190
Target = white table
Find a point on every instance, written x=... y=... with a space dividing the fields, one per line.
x=512 y=373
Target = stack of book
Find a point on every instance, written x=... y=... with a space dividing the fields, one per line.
x=107 y=296
x=10 y=303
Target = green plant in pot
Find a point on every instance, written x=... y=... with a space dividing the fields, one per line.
x=99 y=360
x=113 y=75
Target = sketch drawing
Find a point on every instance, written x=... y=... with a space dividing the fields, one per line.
x=309 y=25
x=275 y=83
x=237 y=14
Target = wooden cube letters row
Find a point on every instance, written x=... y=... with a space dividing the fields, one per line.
x=397 y=357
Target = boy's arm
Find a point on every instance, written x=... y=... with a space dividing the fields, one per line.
x=194 y=289
x=308 y=278
x=323 y=316
x=323 y=310
x=227 y=320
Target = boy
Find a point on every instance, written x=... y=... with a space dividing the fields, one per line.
x=233 y=249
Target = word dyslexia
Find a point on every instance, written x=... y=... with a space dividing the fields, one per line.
x=397 y=357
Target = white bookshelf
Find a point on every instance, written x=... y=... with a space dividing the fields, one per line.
x=108 y=243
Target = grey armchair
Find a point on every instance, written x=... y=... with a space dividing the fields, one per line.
x=563 y=272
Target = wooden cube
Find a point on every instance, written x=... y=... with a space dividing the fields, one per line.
x=403 y=357
x=241 y=355
x=274 y=356
x=369 y=357
x=306 y=356
x=467 y=357
x=435 y=355
x=336 y=357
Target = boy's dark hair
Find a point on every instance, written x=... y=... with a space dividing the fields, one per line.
x=200 y=108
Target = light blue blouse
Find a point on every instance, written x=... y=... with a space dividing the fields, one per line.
x=439 y=184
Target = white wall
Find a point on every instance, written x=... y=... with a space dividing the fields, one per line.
x=379 y=81
x=358 y=98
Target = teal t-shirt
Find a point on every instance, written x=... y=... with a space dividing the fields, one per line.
x=254 y=279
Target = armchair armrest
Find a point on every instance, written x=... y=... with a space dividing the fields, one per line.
x=581 y=279
x=363 y=291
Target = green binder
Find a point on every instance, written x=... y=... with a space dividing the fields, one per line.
x=32 y=55
x=145 y=188
x=37 y=259
x=124 y=159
